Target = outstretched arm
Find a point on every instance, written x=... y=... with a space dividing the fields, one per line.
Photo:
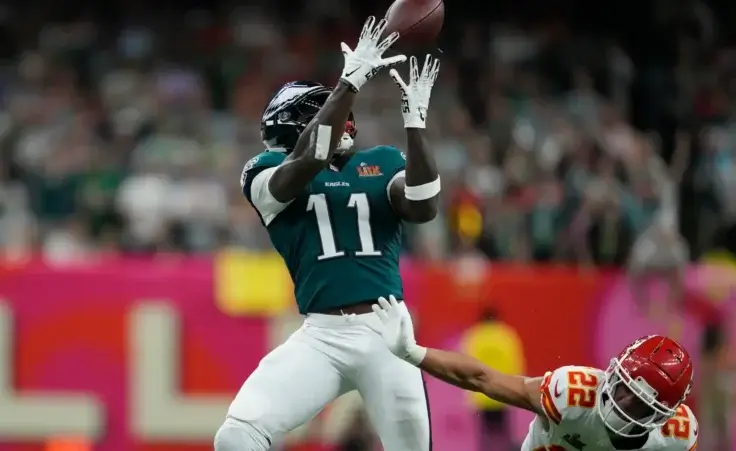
x=315 y=145
x=470 y=374
x=452 y=367
x=318 y=141
x=415 y=196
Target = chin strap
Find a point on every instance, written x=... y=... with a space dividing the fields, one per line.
x=345 y=143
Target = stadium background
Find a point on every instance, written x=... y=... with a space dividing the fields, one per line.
x=138 y=289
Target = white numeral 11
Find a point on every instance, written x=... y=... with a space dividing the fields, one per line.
x=359 y=201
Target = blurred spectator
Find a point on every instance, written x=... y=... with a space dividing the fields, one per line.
x=498 y=346
x=717 y=390
x=132 y=126
x=660 y=249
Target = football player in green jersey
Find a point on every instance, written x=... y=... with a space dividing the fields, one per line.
x=334 y=214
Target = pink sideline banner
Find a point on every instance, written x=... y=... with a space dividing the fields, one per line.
x=137 y=352
x=74 y=330
x=82 y=333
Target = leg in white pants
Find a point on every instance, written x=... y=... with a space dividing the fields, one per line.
x=395 y=398
x=328 y=356
x=290 y=387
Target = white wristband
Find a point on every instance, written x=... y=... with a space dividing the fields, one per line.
x=415 y=354
x=423 y=192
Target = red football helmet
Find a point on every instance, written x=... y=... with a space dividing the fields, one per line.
x=644 y=386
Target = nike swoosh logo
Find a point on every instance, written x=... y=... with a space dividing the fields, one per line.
x=557 y=390
x=351 y=72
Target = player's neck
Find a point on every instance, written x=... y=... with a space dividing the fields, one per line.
x=622 y=443
x=342 y=158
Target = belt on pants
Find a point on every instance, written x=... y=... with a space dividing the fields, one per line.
x=354 y=309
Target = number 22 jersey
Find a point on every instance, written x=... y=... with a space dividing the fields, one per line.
x=569 y=397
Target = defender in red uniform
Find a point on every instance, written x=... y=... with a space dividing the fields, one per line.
x=636 y=404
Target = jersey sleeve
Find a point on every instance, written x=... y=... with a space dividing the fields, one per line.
x=680 y=433
x=569 y=392
x=254 y=183
x=393 y=163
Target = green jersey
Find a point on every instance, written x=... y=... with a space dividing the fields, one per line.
x=341 y=238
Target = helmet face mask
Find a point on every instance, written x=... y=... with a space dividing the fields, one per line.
x=289 y=112
x=629 y=407
x=644 y=386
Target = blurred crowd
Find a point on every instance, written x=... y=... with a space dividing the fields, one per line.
x=124 y=130
x=585 y=132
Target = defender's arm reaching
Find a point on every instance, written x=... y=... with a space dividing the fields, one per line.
x=470 y=374
x=455 y=368
x=414 y=192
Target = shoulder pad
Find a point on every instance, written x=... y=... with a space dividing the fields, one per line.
x=391 y=159
x=386 y=150
x=680 y=433
x=259 y=162
x=570 y=392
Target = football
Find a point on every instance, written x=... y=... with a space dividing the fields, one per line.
x=418 y=21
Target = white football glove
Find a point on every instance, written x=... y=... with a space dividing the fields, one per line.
x=415 y=95
x=397 y=332
x=365 y=61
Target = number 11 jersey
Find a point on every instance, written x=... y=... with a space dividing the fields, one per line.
x=340 y=238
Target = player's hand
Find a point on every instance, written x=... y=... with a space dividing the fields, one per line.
x=366 y=60
x=397 y=332
x=415 y=95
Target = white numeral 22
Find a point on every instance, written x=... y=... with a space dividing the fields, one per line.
x=359 y=201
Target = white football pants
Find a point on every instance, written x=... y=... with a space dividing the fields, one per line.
x=327 y=357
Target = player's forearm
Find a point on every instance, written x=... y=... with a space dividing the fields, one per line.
x=421 y=190
x=454 y=368
x=420 y=165
x=315 y=146
x=470 y=374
